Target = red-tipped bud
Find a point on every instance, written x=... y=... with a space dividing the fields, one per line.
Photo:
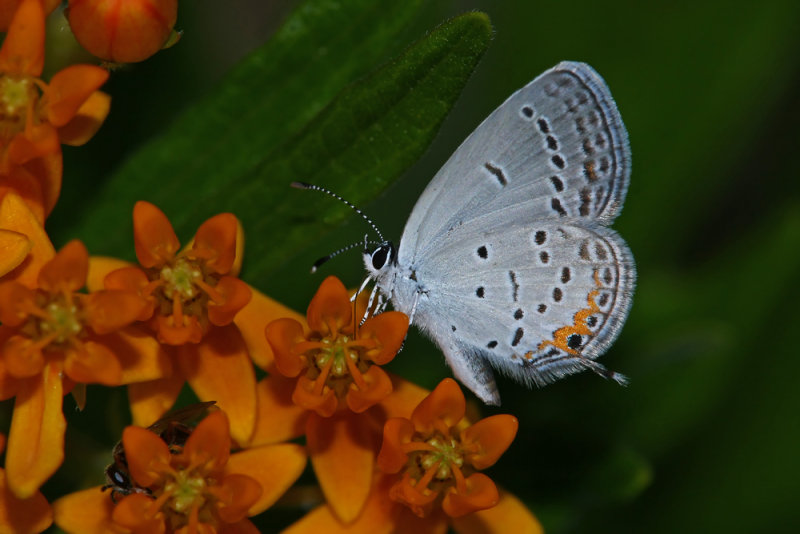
x=123 y=31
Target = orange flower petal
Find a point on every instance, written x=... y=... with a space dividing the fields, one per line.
x=37 y=141
x=275 y=467
x=435 y=522
x=110 y=309
x=489 y=438
x=237 y=494
x=396 y=432
x=282 y=335
x=236 y=295
x=445 y=403
x=127 y=278
x=390 y=330
x=67 y=271
x=245 y=526
x=216 y=242
x=23 y=48
x=330 y=310
x=102 y=266
x=93 y=363
x=305 y=395
x=405 y=396
x=22 y=357
x=23 y=184
x=14 y=247
x=142 y=357
x=209 y=446
x=87 y=120
x=279 y=419
x=16 y=299
x=378 y=517
x=481 y=494
x=138 y=513
x=171 y=334
x=148 y=456
x=69 y=88
x=378 y=386
x=23 y=516
x=8 y=383
x=261 y=310
x=47 y=170
x=419 y=500
x=510 y=515
x=153 y=236
x=9 y=7
x=219 y=369
x=17 y=216
x=342 y=451
x=150 y=400
x=36 y=439
x=87 y=511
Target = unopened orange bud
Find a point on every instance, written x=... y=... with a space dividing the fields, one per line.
x=9 y=7
x=122 y=31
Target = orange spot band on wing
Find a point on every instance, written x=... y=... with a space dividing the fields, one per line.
x=579 y=326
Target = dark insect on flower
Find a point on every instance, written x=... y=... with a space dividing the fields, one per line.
x=174 y=429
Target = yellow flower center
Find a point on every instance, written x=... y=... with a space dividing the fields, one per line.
x=182 y=278
x=186 y=491
x=446 y=453
x=56 y=319
x=63 y=321
x=337 y=352
x=336 y=362
x=17 y=96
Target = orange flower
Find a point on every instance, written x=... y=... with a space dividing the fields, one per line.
x=51 y=338
x=189 y=291
x=439 y=452
x=37 y=117
x=193 y=297
x=339 y=366
x=429 y=459
x=22 y=516
x=122 y=31
x=199 y=487
x=336 y=377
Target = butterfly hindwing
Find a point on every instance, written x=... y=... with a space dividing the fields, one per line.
x=538 y=301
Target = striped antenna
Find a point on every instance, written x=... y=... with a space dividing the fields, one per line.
x=304 y=185
x=324 y=259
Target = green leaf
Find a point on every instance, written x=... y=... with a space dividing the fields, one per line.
x=371 y=134
x=364 y=139
x=270 y=96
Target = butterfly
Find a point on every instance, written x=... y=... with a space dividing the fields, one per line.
x=507 y=260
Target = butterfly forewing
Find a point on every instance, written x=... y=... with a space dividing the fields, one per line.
x=556 y=148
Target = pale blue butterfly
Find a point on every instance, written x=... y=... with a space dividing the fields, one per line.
x=507 y=260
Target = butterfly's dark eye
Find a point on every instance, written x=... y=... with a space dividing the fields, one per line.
x=382 y=255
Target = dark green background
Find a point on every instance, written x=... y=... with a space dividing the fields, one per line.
x=705 y=439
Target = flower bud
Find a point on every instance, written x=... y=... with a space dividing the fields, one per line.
x=122 y=31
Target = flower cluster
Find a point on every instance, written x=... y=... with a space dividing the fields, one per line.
x=386 y=454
